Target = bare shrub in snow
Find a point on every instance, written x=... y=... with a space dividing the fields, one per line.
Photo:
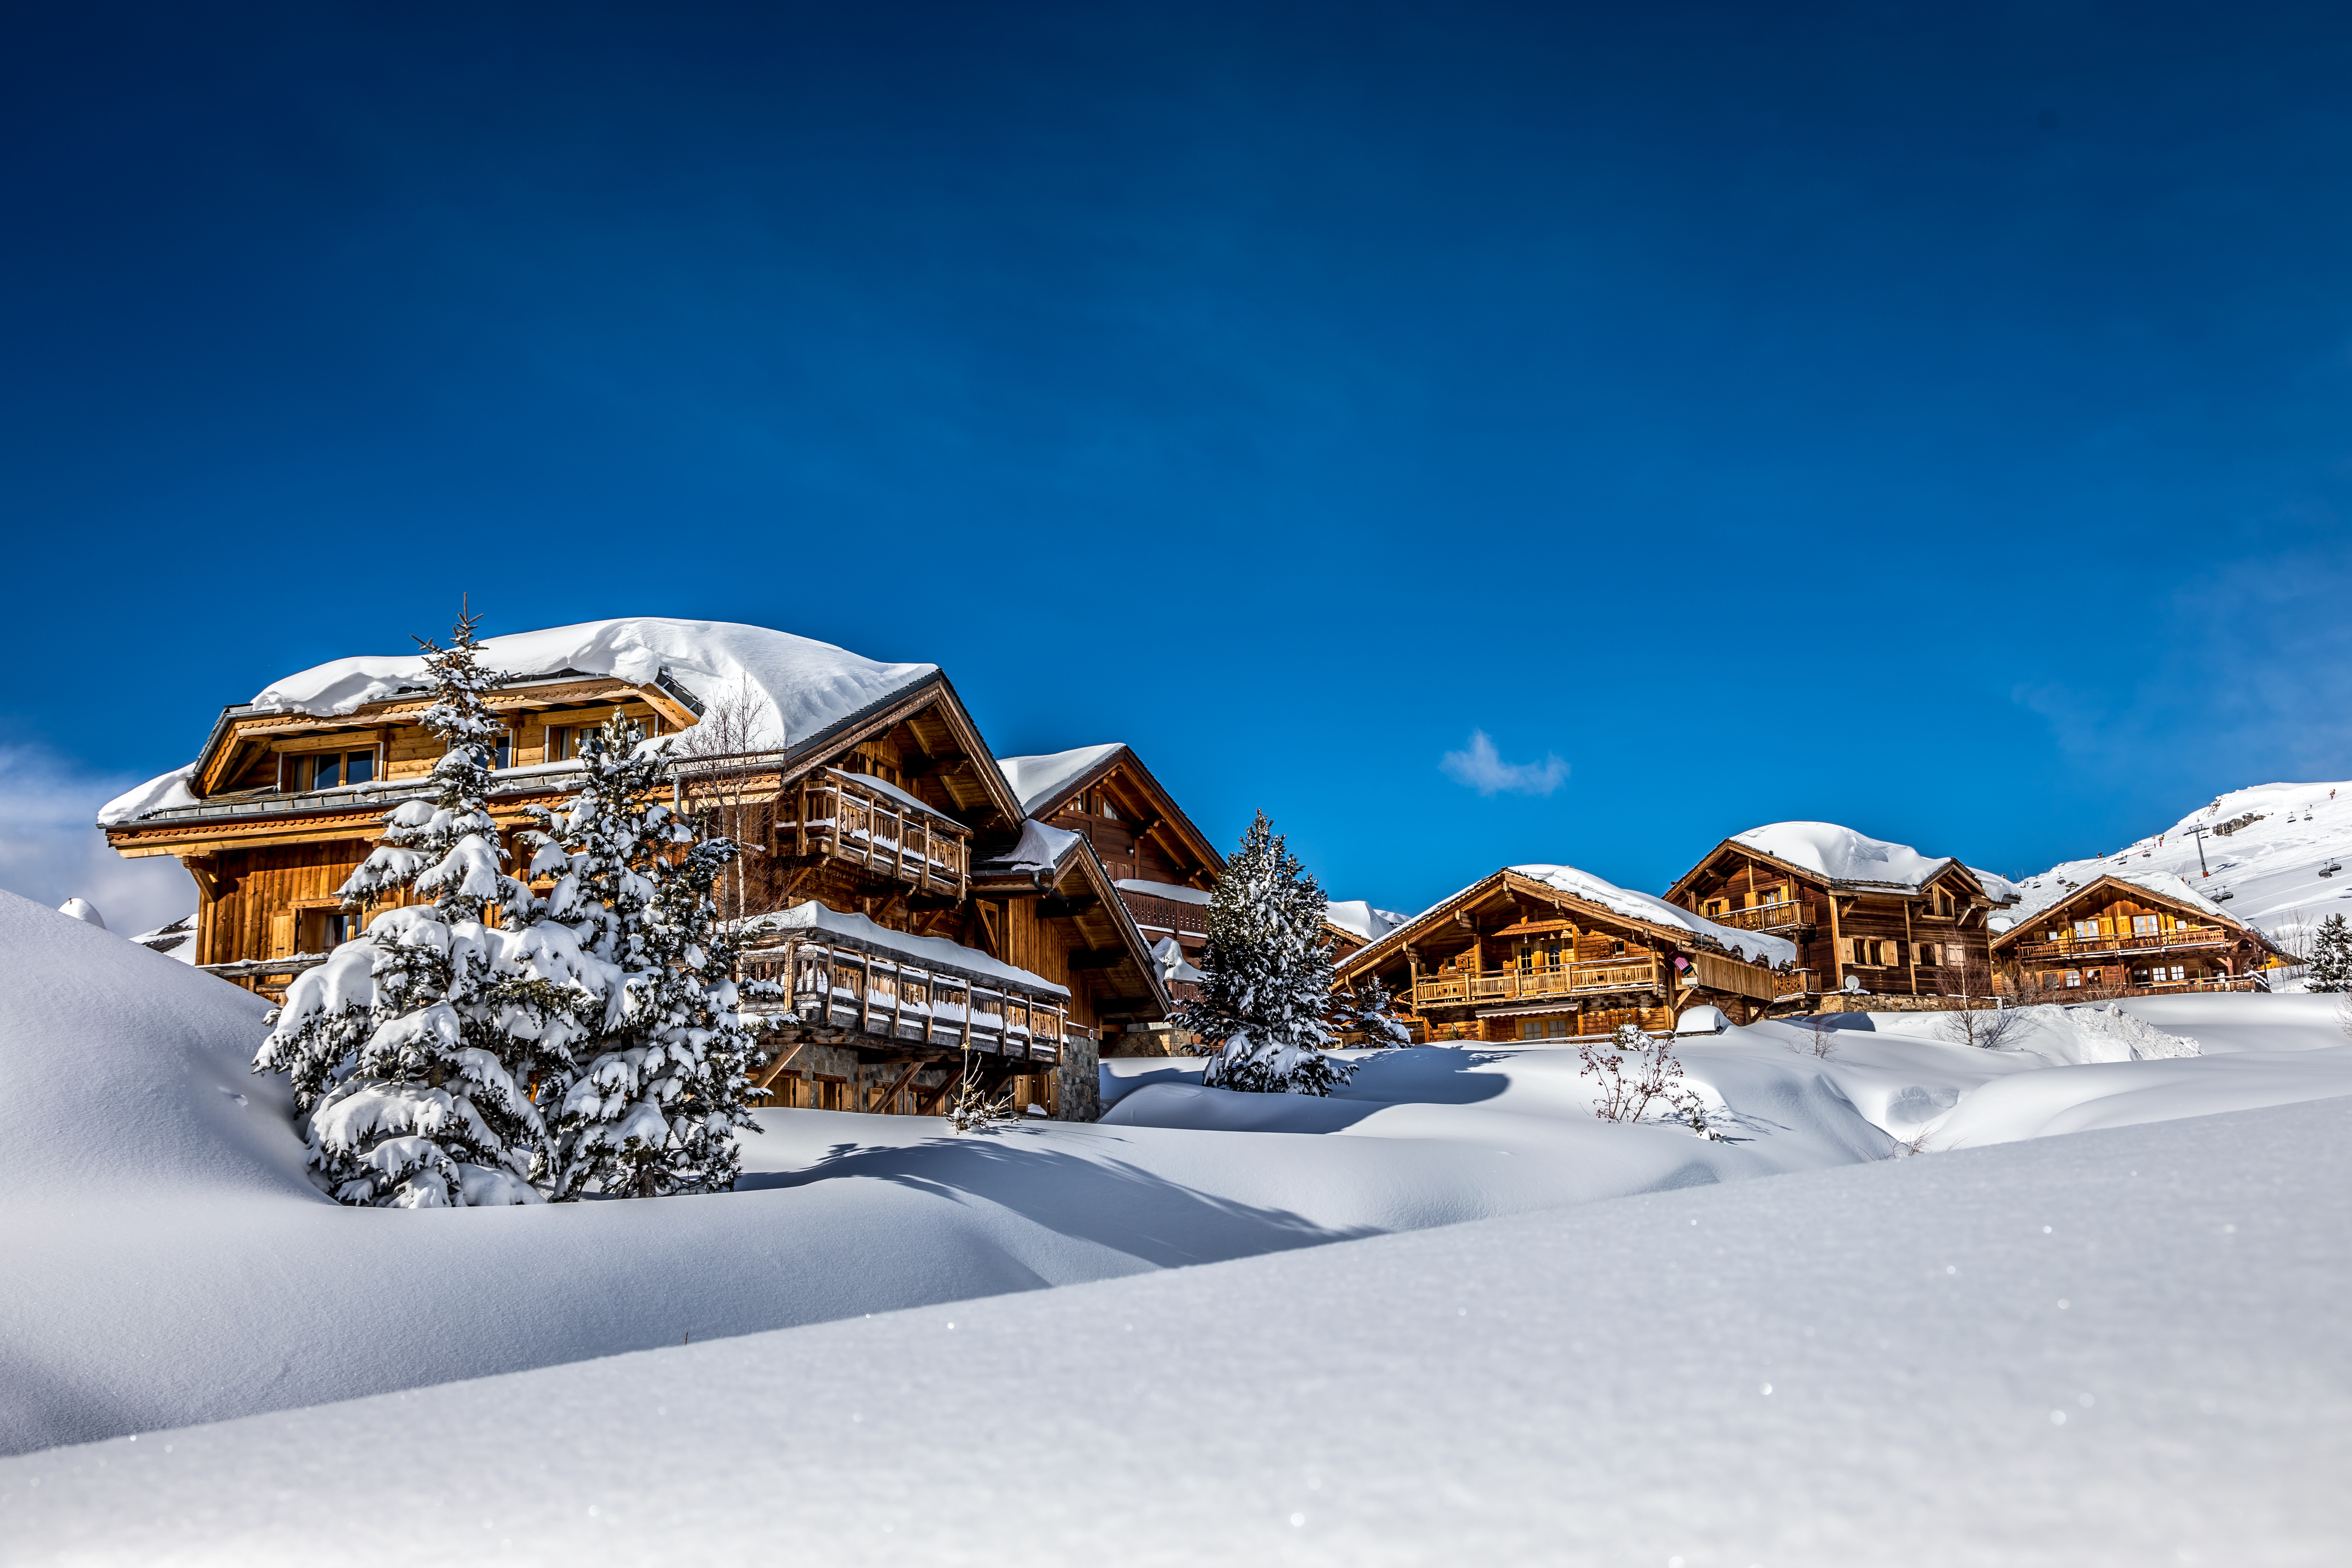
x=1987 y=1028
x=1821 y=1035
x=971 y=1110
x=734 y=724
x=1264 y=1004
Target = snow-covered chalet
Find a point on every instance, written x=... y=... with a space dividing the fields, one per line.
x=2128 y=934
x=894 y=876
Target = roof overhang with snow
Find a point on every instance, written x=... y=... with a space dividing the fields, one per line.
x=1051 y=782
x=1061 y=870
x=1955 y=874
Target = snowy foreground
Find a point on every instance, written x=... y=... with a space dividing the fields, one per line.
x=1560 y=1379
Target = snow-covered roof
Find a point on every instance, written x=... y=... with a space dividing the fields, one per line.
x=165 y=792
x=1359 y=918
x=1039 y=780
x=930 y=952
x=1039 y=848
x=1842 y=855
x=2043 y=895
x=802 y=685
x=1181 y=895
x=1584 y=885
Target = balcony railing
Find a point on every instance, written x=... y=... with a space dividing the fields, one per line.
x=835 y=985
x=845 y=818
x=1783 y=915
x=2077 y=949
x=1555 y=980
x=1166 y=914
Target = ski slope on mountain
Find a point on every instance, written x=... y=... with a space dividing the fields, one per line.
x=2264 y=858
x=2117 y=1348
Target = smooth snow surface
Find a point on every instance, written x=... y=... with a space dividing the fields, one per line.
x=83 y=911
x=1039 y=780
x=2121 y=1348
x=1842 y=854
x=805 y=685
x=168 y=1263
x=2270 y=867
x=1774 y=950
x=812 y=916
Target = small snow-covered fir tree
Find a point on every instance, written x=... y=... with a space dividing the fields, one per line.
x=1267 y=997
x=413 y=1050
x=655 y=1106
x=1370 y=1011
x=2331 y=957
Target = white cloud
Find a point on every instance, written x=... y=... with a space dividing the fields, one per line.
x=1483 y=769
x=49 y=851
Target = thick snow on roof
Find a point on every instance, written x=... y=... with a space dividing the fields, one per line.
x=2046 y=891
x=1359 y=918
x=804 y=685
x=1842 y=854
x=163 y=793
x=2264 y=872
x=1037 y=780
x=1183 y=895
x=1584 y=885
x=812 y=916
x=1039 y=848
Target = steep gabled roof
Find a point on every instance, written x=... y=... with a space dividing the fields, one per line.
x=1048 y=783
x=1841 y=859
x=1056 y=861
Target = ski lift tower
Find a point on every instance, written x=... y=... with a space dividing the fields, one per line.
x=2201 y=851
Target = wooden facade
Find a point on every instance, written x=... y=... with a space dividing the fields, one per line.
x=1513 y=958
x=1929 y=938
x=894 y=814
x=2116 y=938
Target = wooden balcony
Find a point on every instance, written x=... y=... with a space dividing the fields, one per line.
x=1785 y=914
x=873 y=1000
x=1166 y=914
x=1527 y=985
x=857 y=820
x=2093 y=948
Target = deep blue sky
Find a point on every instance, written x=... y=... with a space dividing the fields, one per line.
x=1934 y=419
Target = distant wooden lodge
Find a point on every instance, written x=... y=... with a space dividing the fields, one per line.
x=1865 y=915
x=2117 y=936
x=1549 y=952
x=890 y=873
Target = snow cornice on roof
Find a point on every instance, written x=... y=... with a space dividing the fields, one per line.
x=1921 y=871
x=1049 y=783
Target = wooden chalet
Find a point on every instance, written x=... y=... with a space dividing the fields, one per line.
x=2118 y=937
x=1865 y=915
x=1163 y=867
x=1549 y=953
x=875 y=852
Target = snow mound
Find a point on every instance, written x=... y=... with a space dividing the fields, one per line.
x=83 y=911
x=2139 y=1040
x=1842 y=855
x=1038 y=779
x=1584 y=885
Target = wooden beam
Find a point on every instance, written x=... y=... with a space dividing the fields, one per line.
x=905 y=1078
x=1059 y=908
x=1098 y=957
x=781 y=1062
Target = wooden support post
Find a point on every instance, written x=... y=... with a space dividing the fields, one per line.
x=777 y=1069
x=865 y=993
x=967 y=1015
x=1910 y=948
x=891 y=1094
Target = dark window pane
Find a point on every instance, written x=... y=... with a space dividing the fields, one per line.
x=359 y=767
x=504 y=750
x=330 y=771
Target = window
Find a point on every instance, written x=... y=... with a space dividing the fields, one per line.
x=359 y=768
x=502 y=750
x=326 y=770
x=2074 y=977
x=2142 y=925
x=1543 y=1028
x=559 y=743
x=1715 y=906
x=2179 y=972
x=2086 y=931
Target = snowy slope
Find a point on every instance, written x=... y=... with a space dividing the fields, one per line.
x=2285 y=836
x=167 y=1262
x=2121 y=1348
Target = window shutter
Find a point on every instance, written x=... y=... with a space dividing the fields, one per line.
x=281 y=935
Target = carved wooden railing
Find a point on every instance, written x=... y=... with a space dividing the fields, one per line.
x=1166 y=914
x=839 y=983
x=1784 y=914
x=1553 y=980
x=2071 y=949
x=833 y=814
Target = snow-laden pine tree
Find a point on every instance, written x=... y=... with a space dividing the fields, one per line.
x=2331 y=957
x=656 y=1104
x=1369 y=1010
x=1267 y=997
x=415 y=1049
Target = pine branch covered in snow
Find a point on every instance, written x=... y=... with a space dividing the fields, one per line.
x=2331 y=957
x=655 y=1108
x=413 y=1049
x=1267 y=994
x=1371 y=1012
